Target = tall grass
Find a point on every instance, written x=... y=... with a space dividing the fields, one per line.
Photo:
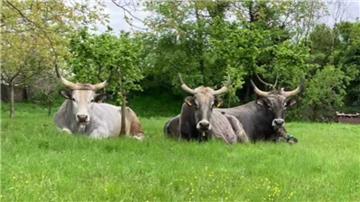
x=38 y=163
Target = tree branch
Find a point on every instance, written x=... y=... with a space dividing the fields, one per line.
x=273 y=86
x=41 y=29
x=126 y=11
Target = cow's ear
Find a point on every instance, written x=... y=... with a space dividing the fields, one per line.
x=189 y=101
x=66 y=94
x=290 y=103
x=100 y=97
x=261 y=102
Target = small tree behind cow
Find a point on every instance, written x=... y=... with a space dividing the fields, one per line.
x=108 y=56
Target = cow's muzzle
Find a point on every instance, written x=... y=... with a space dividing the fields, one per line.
x=203 y=125
x=82 y=118
x=277 y=123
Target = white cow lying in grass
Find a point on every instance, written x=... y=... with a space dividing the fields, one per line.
x=81 y=113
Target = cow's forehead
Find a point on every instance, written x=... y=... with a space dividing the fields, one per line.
x=276 y=98
x=204 y=90
x=85 y=86
x=204 y=93
x=83 y=93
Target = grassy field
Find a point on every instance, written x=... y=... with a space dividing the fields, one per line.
x=38 y=163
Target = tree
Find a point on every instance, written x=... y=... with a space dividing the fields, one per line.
x=37 y=31
x=21 y=61
x=338 y=47
x=116 y=59
x=201 y=39
x=107 y=57
x=324 y=94
x=45 y=90
x=179 y=34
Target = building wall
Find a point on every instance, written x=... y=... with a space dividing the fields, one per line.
x=20 y=93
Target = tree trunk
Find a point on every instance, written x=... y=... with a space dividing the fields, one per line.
x=123 y=115
x=248 y=92
x=251 y=12
x=49 y=107
x=200 y=40
x=12 y=99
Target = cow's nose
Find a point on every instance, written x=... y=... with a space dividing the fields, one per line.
x=82 y=117
x=204 y=124
x=279 y=122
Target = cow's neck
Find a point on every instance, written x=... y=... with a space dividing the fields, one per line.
x=260 y=114
x=187 y=122
x=267 y=116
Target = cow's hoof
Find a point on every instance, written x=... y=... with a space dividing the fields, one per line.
x=66 y=130
x=291 y=139
x=139 y=137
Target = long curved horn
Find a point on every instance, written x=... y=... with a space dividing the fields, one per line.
x=258 y=91
x=185 y=87
x=65 y=82
x=276 y=81
x=57 y=70
x=264 y=82
x=222 y=90
x=68 y=84
x=99 y=86
x=291 y=93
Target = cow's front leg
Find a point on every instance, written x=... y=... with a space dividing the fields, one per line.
x=291 y=139
x=66 y=130
x=99 y=133
x=238 y=129
x=282 y=135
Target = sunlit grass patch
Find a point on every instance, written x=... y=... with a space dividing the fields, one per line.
x=41 y=164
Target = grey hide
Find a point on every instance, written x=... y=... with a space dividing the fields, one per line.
x=105 y=120
x=225 y=127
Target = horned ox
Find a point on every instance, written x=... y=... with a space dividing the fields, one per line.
x=82 y=113
x=264 y=118
x=198 y=121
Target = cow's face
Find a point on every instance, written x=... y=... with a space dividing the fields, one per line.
x=82 y=98
x=277 y=102
x=202 y=101
x=82 y=101
x=202 y=104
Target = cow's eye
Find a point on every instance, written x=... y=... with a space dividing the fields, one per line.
x=73 y=99
x=285 y=105
x=212 y=104
x=92 y=100
x=196 y=104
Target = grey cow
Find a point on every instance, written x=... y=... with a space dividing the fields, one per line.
x=81 y=113
x=198 y=120
x=264 y=118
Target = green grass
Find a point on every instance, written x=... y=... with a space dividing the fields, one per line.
x=38 y=163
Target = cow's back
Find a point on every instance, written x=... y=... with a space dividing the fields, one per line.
x=106 y=116
x=222 y=128
x=255 y=121
x=171 y=128
x=133 y=126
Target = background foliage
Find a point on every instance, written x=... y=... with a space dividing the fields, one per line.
x=107 y=57
x=207 y=41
